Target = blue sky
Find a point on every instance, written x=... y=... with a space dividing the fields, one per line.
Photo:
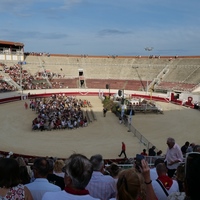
x=102 y=27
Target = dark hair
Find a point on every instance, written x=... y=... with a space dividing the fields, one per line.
x=24 y=176
x=9 y=172
x=79 y=168
x=157 y=161
x=187 y=143
x=51 y=164
x=192 y=184
x=113 y=170
x=42 y=166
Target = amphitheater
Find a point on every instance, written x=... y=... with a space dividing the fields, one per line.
x=86 y=77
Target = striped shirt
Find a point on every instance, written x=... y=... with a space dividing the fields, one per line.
x=101 y=186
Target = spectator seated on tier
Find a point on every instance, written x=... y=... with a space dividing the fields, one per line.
x=100 y=186
x=78 y=172
x=134 y=185
x=153 y=172
x=144 y=152
x=164 y=185
x=24 y=171
x=113 y=170
x=53 y=178
x=10 y=181
x=58 y=166
x=41 y=185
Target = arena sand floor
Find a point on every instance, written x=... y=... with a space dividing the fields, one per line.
x=103 y=136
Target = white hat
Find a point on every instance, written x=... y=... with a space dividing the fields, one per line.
x=10 y=153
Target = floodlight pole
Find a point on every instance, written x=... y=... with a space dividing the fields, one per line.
x=20 y=65
x=109 y=90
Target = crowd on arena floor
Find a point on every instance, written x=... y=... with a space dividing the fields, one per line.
x=173 y=177
x=58 y=112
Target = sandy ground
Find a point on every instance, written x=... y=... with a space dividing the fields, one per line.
x=103 y=136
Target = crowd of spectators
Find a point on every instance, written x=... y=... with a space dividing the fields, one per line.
x=42 y=79
x=37 y=53
x=78 y=177
x=5 y=87
x=59 y=112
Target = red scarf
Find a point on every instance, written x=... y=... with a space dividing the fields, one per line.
x=76 y=192
x=166 y=181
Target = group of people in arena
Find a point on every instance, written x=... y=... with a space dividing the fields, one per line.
x=173 y=177
x=59 y=112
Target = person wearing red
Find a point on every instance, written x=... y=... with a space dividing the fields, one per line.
x=123 y=151
x=26 y=105
x=144 y=152
x=164 y=185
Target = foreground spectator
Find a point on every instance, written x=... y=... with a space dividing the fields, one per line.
x=52 y=178
x=100 y=186
x=113 y=170
x=133 y=185
x=78 y=172
x=164 y=185
x=192 y=184
x=58 y=166
x=10 y=187
x=153 y=172
x=23 y=171
x=180 y=176
x=41 y=184
x=173 y=156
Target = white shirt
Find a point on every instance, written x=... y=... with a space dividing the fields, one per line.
x=173 y=154
x=159 y=191
x=40 y=186
x=62 y=195
x=153 y=174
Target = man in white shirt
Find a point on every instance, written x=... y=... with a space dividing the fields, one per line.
x=164 y=185
x=41 y=185
x=173 y=156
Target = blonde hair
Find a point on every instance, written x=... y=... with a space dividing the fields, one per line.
x=130 y=185
x=58 y=166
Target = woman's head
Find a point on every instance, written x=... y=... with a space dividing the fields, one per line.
x=58 y=166
x=129 y=185
x=9 y=172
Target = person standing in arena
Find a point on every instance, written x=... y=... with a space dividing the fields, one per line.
x=104 y=111
x=123 y=151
